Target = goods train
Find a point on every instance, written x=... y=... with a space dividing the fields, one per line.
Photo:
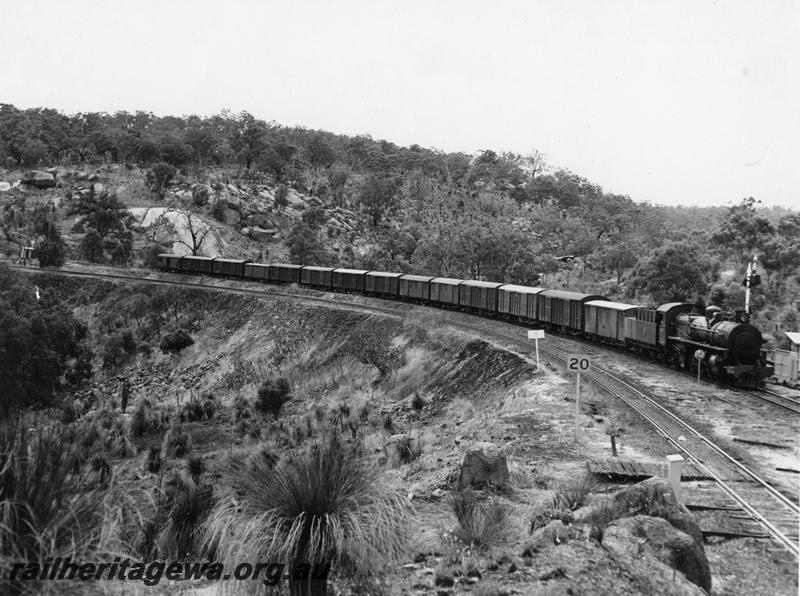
x=726 y=345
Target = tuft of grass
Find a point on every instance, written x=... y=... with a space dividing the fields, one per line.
x=99 y=464
x=324 y=506
x=242 y=410
x=480 y=524
x=599 y=519
x=153 y=462
x=573 y=493
x=191 y=411
x=44 y=510
x=388 y=423
x=182 y=538
x=195 y=467
x=177 y=443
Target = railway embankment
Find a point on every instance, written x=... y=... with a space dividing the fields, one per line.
x=519 y=515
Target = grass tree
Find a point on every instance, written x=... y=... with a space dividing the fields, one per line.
x=322 y=510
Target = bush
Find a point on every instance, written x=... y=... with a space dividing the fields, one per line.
x=241 y=409
x=191 y=411
x=323 y=507
x=176 y=341
x=417 y=403
x=480 y=525
x=177 y=443
x=153 y=462
x=195 y=467
x=571 y=494
x=190 y=508
x=45 y=511
x=272 y=394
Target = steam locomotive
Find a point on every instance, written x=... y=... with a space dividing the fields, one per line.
x=725 y=345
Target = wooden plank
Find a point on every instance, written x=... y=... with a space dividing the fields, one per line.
x=761 y=443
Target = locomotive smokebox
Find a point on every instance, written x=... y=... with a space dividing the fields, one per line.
x=743 y=340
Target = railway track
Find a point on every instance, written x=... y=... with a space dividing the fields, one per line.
x=753 y=494
x=770 y=508
x=782 y=401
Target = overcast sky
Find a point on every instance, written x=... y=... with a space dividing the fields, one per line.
x=673 y=102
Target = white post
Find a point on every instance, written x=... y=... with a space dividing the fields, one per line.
x=537 y=354
x=577 y=403
x=698 y=372
x=674 y=465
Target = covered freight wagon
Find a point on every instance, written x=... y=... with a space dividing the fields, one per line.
x=444 y=290
x=478 y=295
x=383 y=283
x=560 y=308
x=283 y=273
x=169 y=261
x=415 y=287
x=349 y=279
x=607 y=319
x=318 y=277
x=641 y=328
x=517 y=301
x=258 y=271
x=193 y=264
x=229 y=267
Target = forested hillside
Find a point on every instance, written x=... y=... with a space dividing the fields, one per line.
x=122 y=187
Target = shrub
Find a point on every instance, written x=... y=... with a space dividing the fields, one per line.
x=121 y=445
x=44 y=512
x=210 y=406
x=417 y=403
x=181 y=537
x=571 y=494
x=175 y=342
x=177 y=443
x=195 y=467
x=153 y=462
x=191 y=411
x=323 y=507
x=480 y=525
x=100 y=465
x=241 y=409
x=69 y=413
x=272 y=394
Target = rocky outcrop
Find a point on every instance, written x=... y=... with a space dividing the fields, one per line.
x=402 y=449
x=39 y=179
x=636 y=535
x=653 y=497
x=261 y=234
x=484 y=465
x=650 y=500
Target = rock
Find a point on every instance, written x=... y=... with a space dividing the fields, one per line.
x=245 y=231
x=553 y=533
x=653 y=496
x=257 y=219
x=93 y=178
x=39 y=179
x=484 y=464
x=229 y=216
x=5 y=186
x=98 y=188
x=635 y=535
x=402 y=448
x=294 y=201
x=261 y=234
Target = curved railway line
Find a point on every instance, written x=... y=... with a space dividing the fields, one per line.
x=748 y=490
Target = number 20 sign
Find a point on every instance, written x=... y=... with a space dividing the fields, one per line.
x=578 y=363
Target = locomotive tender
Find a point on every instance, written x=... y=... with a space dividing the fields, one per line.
x=672 y=333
